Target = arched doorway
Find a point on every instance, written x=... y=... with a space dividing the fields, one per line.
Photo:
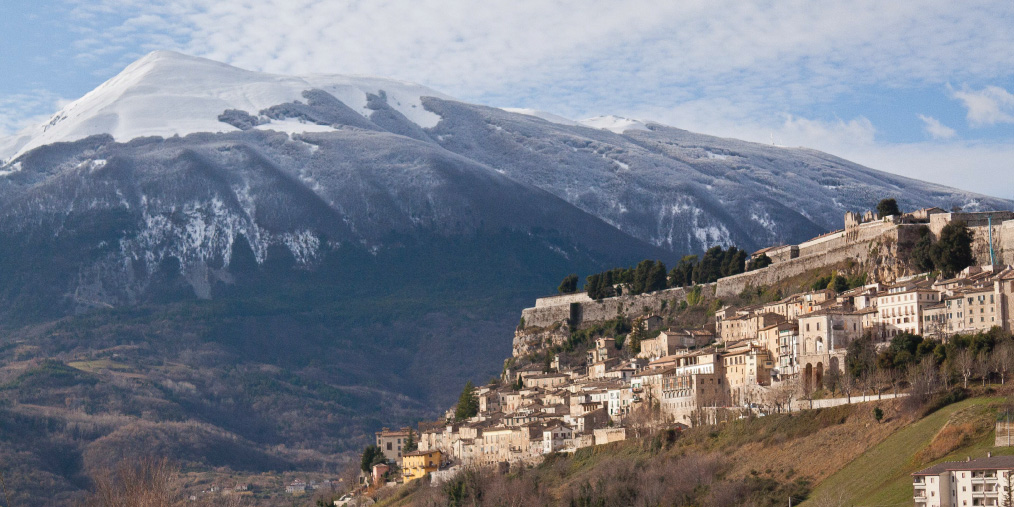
x=808 y=377
x=820 y=376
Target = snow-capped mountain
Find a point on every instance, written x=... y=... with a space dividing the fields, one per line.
x=296 y=261
x=190 y=155
x=166 y=94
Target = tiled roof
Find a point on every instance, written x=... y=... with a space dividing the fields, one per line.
x=992 y=463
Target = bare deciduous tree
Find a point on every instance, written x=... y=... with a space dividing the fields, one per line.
x=1003 y=359
x=965 y=363
x=147 y=483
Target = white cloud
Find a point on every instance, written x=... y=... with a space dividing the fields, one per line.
x=588 y=56
x=988 y=106
x=977 y=166
x=24 y=109
x=724 y=67
x=935 y=129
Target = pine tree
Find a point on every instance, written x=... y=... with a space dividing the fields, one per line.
x=409 y=445
x=468 y=403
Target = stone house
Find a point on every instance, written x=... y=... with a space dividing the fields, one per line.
x=745 y=327
x=588 y=421
x=547 y=380
x=604 y=349
x=746 y=366
x=823 y=341
x=555 y=437
x=828 y=330
x=390 y=442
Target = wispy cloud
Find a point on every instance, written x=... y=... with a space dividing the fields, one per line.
x=756 y=71
x=935 y=129
x=988 y=106
x=588 y=56
x=24 y=109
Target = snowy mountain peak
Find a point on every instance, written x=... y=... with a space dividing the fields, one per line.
x=167 y=93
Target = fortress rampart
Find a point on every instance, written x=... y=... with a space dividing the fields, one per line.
x=879 y=246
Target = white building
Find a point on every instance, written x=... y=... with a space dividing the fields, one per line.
x=983 y=481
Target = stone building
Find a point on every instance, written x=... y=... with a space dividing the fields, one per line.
x=746 y=366
x=900 y=309
x=390 y=442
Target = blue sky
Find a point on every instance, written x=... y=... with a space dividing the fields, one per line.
x=924 y=89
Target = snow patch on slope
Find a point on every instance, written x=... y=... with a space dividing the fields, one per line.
x=167 y=93
x=550 y=117
x=617 y=124
x=294 y=126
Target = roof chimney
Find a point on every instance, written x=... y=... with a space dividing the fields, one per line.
x=968 y=458
x=989 y=454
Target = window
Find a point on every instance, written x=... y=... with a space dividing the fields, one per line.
x=389 y=446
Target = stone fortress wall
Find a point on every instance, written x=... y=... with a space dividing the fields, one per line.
x=540 y=329
x=580 y=309
x=880 y=246
x=874 y=243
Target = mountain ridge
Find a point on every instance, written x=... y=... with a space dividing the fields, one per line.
x=301 y=261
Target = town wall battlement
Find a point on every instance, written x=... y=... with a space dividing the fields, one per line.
x=540 y=330
x=873 y=245
x=562 y=299
x=580 y=309
x=879 y=246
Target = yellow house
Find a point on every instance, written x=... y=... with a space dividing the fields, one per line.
x=415 y=465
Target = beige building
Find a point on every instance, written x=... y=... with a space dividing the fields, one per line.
x=674 y=341
x=544 y=381
x=695 y=381
x=390 y=442
x=972 y=310
x=745 y=327
x=746 y=366
x=934 y=321
x=823 y=339
x=604 y=349
x=900 y=310
x=828 y=330
x=769 y=337
x=788 y=352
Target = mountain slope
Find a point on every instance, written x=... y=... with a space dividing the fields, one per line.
x=292 y=262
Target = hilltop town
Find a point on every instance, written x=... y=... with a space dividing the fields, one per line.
x=664 y=365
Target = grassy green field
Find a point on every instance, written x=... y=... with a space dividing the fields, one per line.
x=881 y=476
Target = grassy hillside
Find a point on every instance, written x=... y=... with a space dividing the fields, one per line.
x=882 y=475
x=834 y=457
